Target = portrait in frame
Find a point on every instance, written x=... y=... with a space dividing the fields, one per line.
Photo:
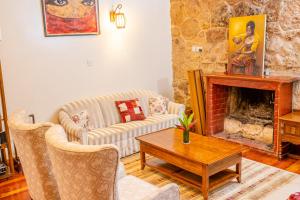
x=247 y=37
x=70 y=17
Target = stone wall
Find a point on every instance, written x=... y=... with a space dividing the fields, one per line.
x=205 y=23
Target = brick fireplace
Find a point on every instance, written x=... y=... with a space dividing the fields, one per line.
x=218 y=88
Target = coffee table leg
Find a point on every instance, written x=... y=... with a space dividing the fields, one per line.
x=205 y=183
x=143 y=159
x=239 y=171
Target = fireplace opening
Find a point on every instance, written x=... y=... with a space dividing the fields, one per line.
x=249 y=117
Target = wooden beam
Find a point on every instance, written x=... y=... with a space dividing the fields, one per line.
x=198 y=99
x=4 y=110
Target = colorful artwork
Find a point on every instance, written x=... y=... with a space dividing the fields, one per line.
x=70 y=17
x=247 y=45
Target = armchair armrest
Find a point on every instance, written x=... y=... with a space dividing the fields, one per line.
x=167 y=192
x=75 y=133
x=176 y=108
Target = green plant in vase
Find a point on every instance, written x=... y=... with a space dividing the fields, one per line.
x=186 y=123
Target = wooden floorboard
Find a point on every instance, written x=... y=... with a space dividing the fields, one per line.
x=15 y=188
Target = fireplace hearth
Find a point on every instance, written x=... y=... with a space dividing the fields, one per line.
x=249 y=117
x=246 y=109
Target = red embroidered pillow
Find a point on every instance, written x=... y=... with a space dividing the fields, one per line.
x=295 y=196
x=130 y=110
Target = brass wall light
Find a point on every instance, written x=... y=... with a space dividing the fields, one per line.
x=117 y=17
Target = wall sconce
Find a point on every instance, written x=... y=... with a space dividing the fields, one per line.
x=118 y=17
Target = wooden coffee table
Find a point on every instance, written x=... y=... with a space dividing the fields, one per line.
x=202 y=164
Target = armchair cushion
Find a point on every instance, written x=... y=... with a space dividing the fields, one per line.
x=133 y=188
x=167 y=192
x=121 y=171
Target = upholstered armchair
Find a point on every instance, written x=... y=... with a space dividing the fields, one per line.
x=90 y=172
x=31 y=146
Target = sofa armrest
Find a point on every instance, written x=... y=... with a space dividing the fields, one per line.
x=176 y=108
x=167 y=192
x=75 y=133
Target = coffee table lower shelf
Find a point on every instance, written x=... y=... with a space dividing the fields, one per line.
x=191 y=179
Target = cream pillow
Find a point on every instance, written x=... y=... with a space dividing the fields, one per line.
x=158 y=105
x=82 y=120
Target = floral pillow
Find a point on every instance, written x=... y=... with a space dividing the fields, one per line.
x=158 y=105
x=81 y=119
x=130 y=110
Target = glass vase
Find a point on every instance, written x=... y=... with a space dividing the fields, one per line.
x=186 y=137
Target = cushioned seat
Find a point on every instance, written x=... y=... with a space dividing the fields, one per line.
x=105 y=126
x=90 y=172
x=31 y=146
x=123 y=134
x=141 y=189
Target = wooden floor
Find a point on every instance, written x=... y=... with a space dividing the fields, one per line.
x=15 y=188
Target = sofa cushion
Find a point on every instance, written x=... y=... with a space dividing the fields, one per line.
x=109 y=109
x=144 y=104
x=122 y=131
x=123 y=134
x=134 y=188
x=110 y=112
x=158 y=105
x=91 y=106
x=150 y=124
x=130 y=110
x=81 y=119
x=142 y=93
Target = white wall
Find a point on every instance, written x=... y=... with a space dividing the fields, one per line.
x=42 y=73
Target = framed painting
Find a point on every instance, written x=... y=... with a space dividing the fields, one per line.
x=247 y=37
x=70 y=17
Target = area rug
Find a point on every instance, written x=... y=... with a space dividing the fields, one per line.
x=259 y=181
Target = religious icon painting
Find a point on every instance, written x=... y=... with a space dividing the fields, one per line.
x=70 y=17
x=247 y=37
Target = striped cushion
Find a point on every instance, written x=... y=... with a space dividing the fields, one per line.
x=123 y=134
x=109 y=109
x=142 y=93
x=92 y=107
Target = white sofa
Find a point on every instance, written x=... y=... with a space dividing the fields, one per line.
x=106 y=123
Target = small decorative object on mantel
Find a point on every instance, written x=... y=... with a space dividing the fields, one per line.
x=186 y=123
x=2 y=169
x=247 y=45
x=267 y=71
x=70 y=17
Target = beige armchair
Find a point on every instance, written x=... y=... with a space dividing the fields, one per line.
x=31 y=146
x=90 y=172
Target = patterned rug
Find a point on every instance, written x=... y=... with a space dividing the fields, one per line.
x=259 y=181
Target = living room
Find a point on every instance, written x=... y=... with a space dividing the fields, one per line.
x=180 y=99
